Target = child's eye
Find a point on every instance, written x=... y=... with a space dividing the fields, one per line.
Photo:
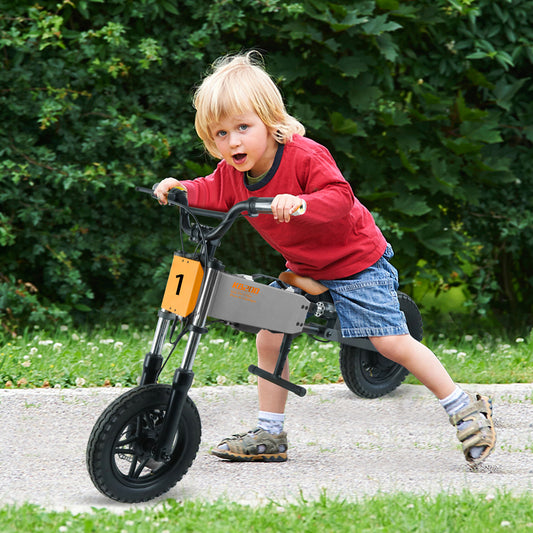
x=221 y=133
x=243 y=127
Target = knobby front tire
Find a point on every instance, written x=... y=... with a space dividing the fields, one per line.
x=119 y=459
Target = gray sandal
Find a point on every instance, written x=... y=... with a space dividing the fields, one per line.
x=255 y=445
x=479 y=431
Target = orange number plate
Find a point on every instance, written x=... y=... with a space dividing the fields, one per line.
x=183 y=286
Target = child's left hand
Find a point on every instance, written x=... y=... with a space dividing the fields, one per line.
x=284 y=205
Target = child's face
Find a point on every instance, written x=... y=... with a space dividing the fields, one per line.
x=245 y=143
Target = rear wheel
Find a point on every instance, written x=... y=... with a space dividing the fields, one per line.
x=370 y=375
x=119 y=451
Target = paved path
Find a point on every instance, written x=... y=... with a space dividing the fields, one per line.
x=338 y=443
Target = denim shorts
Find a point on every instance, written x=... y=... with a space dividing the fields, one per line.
x=367 y=303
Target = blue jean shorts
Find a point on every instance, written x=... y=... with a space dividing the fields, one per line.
x=367 y=303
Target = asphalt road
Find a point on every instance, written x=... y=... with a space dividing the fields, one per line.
x=338 y=443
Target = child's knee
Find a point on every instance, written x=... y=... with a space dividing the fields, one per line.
x=268 y=343
x=398 y=348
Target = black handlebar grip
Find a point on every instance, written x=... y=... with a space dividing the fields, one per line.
x=178 y=195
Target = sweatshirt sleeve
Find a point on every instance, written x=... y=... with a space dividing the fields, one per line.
x=211 y=192
x=326 y=192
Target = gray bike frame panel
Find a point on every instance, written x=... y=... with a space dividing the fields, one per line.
x=238 y=299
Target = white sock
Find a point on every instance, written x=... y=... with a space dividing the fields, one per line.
x=271 y=422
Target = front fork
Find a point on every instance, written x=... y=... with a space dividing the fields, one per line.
x=183 y=377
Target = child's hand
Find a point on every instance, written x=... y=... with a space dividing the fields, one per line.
x=161 y=191
x=284 y=205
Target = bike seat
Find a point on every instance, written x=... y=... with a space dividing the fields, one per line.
x=308 y=285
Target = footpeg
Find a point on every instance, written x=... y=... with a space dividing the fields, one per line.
x=280 y=382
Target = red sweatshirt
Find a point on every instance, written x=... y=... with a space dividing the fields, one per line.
x=335 y=238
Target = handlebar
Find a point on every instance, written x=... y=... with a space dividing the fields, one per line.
x=251 y=207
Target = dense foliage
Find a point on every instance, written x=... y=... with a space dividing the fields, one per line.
x=426 y=105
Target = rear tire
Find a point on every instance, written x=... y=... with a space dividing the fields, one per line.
x=370 y=375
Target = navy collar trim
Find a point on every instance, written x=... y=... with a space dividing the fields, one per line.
x=269 y=175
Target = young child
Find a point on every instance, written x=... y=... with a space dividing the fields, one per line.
x=241 y=118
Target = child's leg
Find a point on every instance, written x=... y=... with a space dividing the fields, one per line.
x=419 y=360
x=268 y=442
x=472 y=415
x=272 y=398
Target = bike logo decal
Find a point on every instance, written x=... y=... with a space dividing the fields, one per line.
x=244 y=292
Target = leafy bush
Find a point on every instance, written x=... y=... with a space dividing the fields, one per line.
x=426 y=106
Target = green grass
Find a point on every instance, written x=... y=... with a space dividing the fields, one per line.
x=114 y=356
x=402 y=512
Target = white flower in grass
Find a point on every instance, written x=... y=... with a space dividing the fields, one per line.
x=118 y=345
x=57 y=346
x=221 y=380
x=519 y=340
x=469 y=338
x=46 y=343
x=216 y=341
x=33 y=351
x=80 y=382
x=63 y=328
x=124 y=327
x=26 y=364
x=252 y=379
x=107 y=341
x=75 y=337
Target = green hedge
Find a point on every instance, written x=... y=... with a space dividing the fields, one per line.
x=426 y=105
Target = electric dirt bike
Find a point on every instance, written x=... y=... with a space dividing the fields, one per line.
x=145 y=441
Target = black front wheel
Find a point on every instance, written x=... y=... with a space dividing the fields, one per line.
x=370 y=375
x=119 y=451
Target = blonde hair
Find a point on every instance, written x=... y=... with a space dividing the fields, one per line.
x=240 y=84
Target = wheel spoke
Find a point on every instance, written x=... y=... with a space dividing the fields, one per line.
x=126 y=441
x=133 y=466
x=140 y=468
x=123 y=451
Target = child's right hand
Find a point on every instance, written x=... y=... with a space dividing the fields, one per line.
x=162 y=188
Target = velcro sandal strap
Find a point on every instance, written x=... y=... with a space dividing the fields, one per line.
x=467 y=412
x=474 y=427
